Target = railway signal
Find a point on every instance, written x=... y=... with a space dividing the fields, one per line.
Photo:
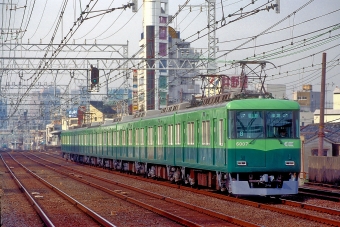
x=94 y=75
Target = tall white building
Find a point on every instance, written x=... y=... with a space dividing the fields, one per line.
x=152 y=83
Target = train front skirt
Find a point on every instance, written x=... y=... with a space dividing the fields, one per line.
x=242 y=188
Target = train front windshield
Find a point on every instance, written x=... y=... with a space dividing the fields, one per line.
x=263 y=124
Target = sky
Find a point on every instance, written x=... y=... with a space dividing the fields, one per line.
x=293 y=40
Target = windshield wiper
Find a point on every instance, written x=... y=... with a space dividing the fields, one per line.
x=278 y=138
x=256 y=137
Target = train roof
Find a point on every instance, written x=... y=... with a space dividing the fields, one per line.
x=263 y=104
x=239 y=104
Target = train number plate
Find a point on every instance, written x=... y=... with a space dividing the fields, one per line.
x=241 y=144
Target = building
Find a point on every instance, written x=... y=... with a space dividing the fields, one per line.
x=330 y=115
x=154 y=39
x=3 y=113
x=278 y=91
x=43 y=106
x=120 y=99
x=310 y=143
x=308 y=99
x=181 y=83
x=159 y=85
x=98 y=112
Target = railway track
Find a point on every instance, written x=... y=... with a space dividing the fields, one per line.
x=180 y=212
x=320 y=194
x=300 y=213
x=49 y=201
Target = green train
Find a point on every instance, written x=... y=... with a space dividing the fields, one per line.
x=244 y=147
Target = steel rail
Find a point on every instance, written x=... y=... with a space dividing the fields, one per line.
x=232 y=199
x=321 y=194
x=35 y=205
x=168 y=199
x=76 y=203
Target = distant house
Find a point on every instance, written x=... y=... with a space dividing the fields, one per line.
x=310 y=142
x=99 y=112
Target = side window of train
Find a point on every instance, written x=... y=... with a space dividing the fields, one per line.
x=109 y=138
x=220 y=132
x=130 y=137
x=205 y=132
x=190 y=133
x=105 y=138
x=114 y=138
x=142 y=136
x=150 y=135
x=178 y=134
x=123 y=137
x=170 y=135
x=118 y=138
x=137 y=136
x=160 y=135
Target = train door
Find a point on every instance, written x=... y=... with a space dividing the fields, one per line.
x=214 y=140
x=151 y=137
x=169 y=144
x=160 y=143
x=105 y=143
x=130 y=146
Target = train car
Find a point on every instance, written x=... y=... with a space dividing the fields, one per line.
x=244 y=147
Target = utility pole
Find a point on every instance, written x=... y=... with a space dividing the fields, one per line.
x=321 y=133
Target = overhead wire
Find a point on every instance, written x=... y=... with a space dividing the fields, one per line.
x=42 y=15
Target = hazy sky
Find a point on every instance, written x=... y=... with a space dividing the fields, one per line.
x=294 y=44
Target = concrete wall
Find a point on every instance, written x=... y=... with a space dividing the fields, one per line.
x=324 y=169
x=307 y=152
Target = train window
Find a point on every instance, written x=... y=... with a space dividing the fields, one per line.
x=170 y=135
x=205 y=132
x=118 y=137
x=160 y=135
x=114 y=138
x=220 y=132
x=137 y=136
x=249 y=124
x=150 y=136
x=296 y=117
x=279 y=124
x=104 y=138
x=178 y=134
x=190 y=133
x=130 y=137
x=109 y=138
x=99 y=139
x=142 y=136
x=123 y=137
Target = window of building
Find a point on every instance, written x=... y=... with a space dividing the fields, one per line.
x=162 y=49
x=162 y=65
x=162 y=32
x=163 y=7
x=315 y=152
x=163 y=20
x=190 y=133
